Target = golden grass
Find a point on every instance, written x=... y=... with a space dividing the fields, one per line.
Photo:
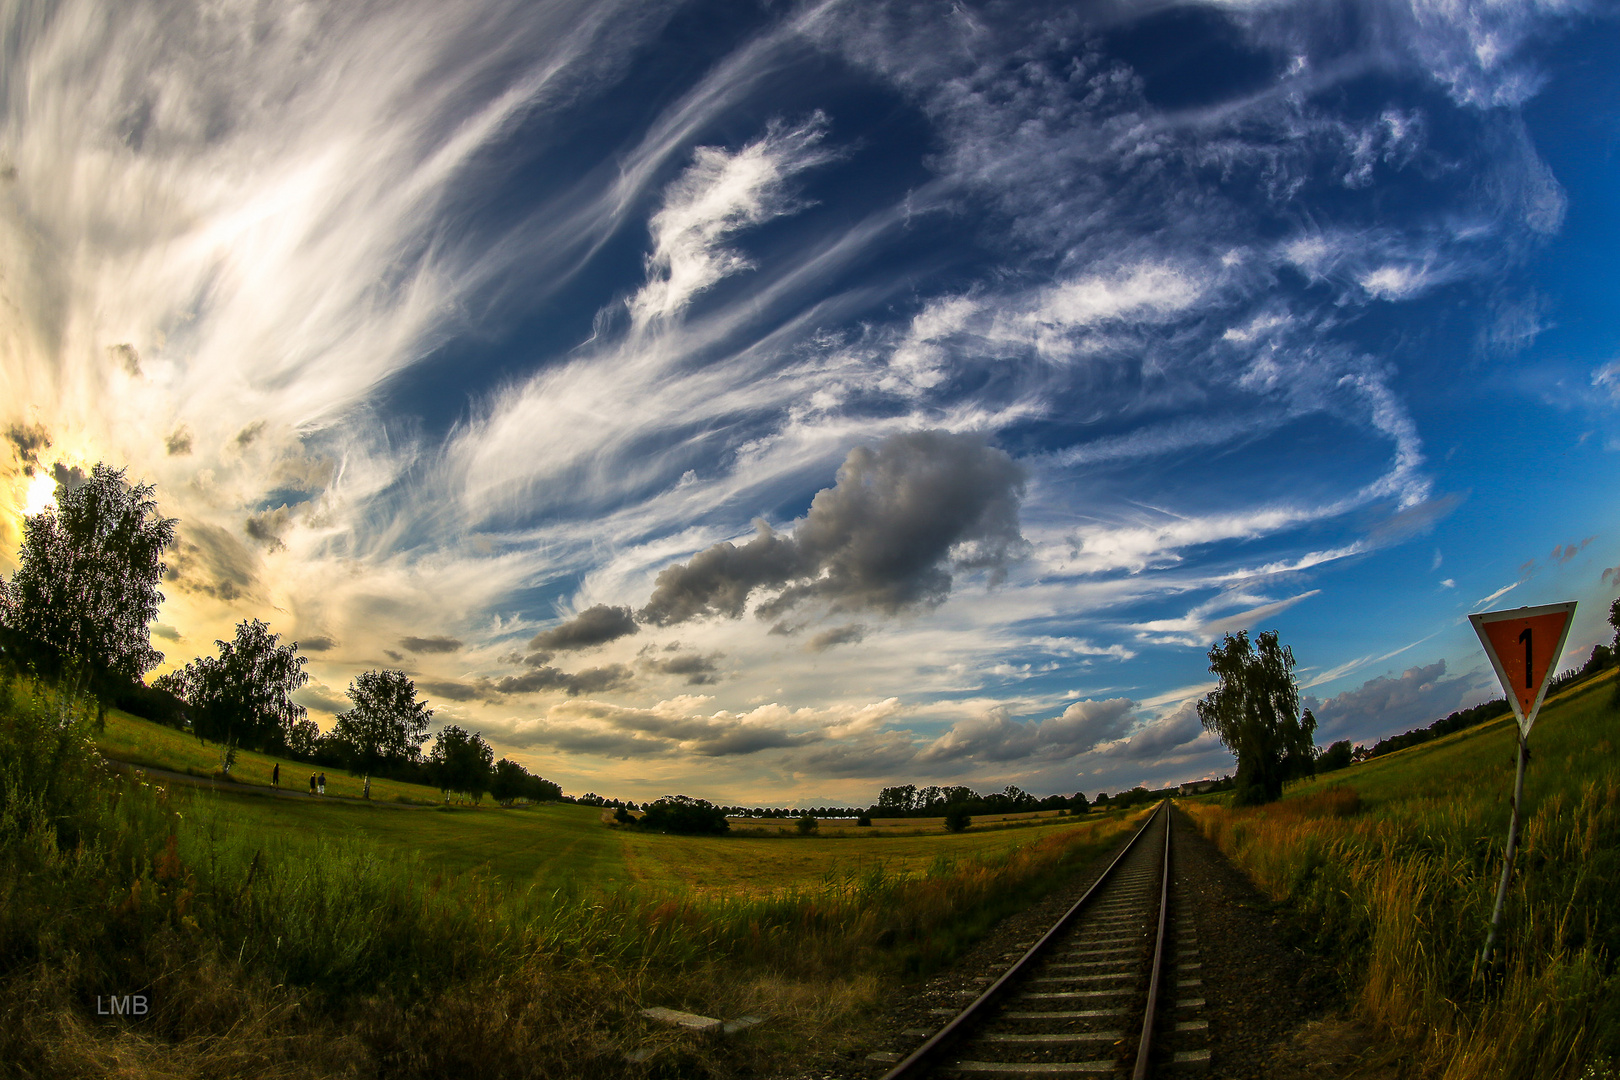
x=1396 y=863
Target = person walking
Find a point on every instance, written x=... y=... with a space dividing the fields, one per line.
x=275 y=775
x=323 y=783
x=312 y=783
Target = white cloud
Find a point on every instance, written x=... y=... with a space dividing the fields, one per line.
x=1395 y=282
x=718 y=195
x=1479 y=604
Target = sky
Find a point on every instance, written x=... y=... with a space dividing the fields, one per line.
x=773 y=402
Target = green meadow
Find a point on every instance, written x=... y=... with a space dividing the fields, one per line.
x=1394 y=863
x=559 y=845
x=140 y=742
x=304 y=937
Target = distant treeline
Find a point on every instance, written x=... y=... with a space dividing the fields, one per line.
x=1341 y=754
x=908 y=800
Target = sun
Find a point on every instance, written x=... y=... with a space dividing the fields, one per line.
x=41 y=494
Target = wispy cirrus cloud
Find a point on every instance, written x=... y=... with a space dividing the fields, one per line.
x=458 y=337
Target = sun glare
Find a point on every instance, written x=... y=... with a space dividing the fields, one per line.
x=41 y=493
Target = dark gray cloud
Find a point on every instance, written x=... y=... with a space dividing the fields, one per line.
x=319 y=643
x=452 y=691
x=249 y=434
x=576 y=739
x=315 y=695
x=996 y=737
x=886 y=537
x=430 y=644
x=699 y=670
x=28 y=440
x=1160 y=737
x=207 y=559
x=179 y=441
x=593 y=626
x=267 y=526
x=838 y=635
x=888 y=754
x=72 y=479
x=166 y=632
x=394 y=656
x=589 y=681
x=127 y=357
x=615 y=731
x=1385 y=705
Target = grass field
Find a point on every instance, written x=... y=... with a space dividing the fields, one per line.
x=1395 y=862
x=141 y=742
x=561 y=845
x=312 y=938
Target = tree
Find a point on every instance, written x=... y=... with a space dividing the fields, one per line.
x=303 y=739
x=511 y=782
x=807 y=824
x=1254 y=711
x=898 y=800
x=387 y=725
x=506 y=783
x=86 y=584
x=1614 y=649
x=1337 y=756
x=461 y=761
x=957 y=818
x=684 y=814
x=244 y=695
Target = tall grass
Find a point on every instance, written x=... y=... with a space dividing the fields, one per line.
x=267 y=953
x=1400 y=886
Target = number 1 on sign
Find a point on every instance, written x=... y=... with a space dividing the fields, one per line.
x=1529 y=653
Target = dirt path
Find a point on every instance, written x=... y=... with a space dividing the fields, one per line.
x=246 y=789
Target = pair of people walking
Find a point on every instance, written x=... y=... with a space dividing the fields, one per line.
x=317 y=784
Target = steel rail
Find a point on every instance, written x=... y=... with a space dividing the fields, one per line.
x=1145 y=1047
x=923 y=1056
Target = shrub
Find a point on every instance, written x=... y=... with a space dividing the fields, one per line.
x=957 y=818
x=807 y=825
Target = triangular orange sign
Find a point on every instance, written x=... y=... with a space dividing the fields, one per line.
x=1524 y=645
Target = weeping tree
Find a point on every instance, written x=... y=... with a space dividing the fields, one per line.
x=1254 y=711
x=243 y=696
x=86 y=583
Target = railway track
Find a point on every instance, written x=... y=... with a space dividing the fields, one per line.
x=1113 y=989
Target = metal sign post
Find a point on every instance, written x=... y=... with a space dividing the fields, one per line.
x=1524 y=645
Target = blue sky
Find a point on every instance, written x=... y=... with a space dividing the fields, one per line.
x=773 y=402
